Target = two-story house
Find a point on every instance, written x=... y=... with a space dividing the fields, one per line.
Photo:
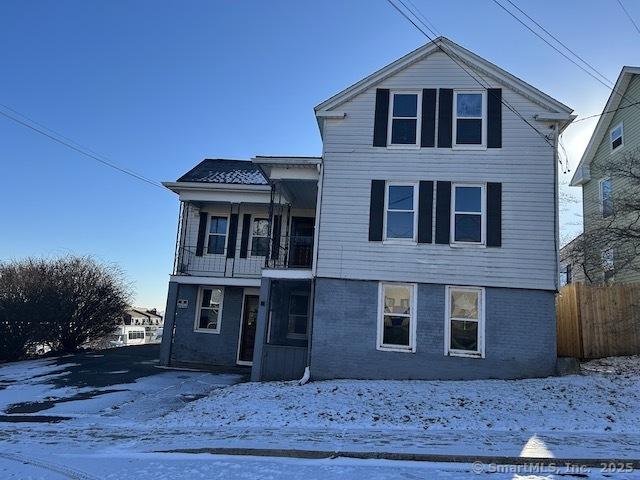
x=616 y=139
x=422 y=244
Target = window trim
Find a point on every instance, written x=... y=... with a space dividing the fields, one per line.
x=392 y=240
x=601 y=195
x=196 y=325
x=411 y=348
x=465 y=146
x=621 y=125
x=449 y=352
x=483 y=215
x=418 y=117
x=252 y=235
x=226 y=233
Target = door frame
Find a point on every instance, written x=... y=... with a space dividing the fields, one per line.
x=246 y=291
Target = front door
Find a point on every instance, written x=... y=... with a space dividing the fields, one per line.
x=301 y=254
x=248 y=329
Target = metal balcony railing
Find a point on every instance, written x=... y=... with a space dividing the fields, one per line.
x=295 y=251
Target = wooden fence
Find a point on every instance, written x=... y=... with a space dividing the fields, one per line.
x=598 y=321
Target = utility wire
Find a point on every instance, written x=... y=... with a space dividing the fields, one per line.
x=629 y=16
x=478 y=81
x=39 y=128
x=607 y=83
x=603 y=113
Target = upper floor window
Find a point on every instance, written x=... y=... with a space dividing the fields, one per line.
x=404 y=119
x=606 y=197
x=469 y=123
x=616 y=134
x=468 y=212
x=217 y=239
x=260 y=237
x=400 y=211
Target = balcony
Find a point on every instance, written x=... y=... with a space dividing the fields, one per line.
x=293 y=251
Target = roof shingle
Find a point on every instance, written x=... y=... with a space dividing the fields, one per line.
x=220 y=170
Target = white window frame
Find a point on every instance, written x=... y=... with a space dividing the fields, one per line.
x=418 y=118
x=253 y=235
x=483 y=214
x=601 y=194
x=611 y=140
x=226 y=233
x=196 y=325
x=466 y=146
x=411 y=348
x=411 y=240
x=448 y=351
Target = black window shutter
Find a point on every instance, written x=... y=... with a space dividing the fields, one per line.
x=494 y=214
x=202 y=231
x=376 y=210
x=381 y=118
x=494 y=118
x=428 y=134
x=233 y=235
x=275 y=238
x=425 y=212
x=445 y=117
x=244 y=241
x=443 y=212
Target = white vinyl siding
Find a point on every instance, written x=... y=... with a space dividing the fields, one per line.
x=524 y=165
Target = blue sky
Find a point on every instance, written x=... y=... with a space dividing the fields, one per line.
x=158 y=85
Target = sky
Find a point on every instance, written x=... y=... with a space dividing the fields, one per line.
x=155 y=86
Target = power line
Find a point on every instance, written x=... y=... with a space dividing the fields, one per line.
x=32 y=125
x=629 y=16
x=478 y=81
x=603 y=113
x=607 y=83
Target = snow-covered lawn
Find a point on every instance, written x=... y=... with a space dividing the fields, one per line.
x=606 y=398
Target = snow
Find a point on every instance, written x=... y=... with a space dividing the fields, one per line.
x=121 y=432
x=606 y=399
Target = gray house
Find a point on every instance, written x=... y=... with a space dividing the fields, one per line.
x=423 y=244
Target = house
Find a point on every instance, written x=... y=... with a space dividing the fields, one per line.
x=616 y=136
x=139 y=326
x=423 y=244
x=571 y=262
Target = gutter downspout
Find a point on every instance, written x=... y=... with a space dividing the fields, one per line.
x=556 y=205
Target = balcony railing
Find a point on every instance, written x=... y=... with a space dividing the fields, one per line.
x=292 y=252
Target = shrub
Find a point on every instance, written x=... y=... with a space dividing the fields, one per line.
x=61 y=303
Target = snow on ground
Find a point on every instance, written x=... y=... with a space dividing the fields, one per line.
x=604 y=399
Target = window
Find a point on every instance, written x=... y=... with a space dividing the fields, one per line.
x=468 y=213
x=298 y=315
x=464 y=325
x=565 y=275
x=260 y=237
x=607 y=263
x=397 y=317
x=136 y=335
x=209 y=312
x=217 y=235
x=606 y=197
x=404 y=119
x=400 y=211
x=469 y=118
x=616 y=134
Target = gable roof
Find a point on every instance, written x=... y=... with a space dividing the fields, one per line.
x=581 y=175
x=461 y=55
x=220 y=170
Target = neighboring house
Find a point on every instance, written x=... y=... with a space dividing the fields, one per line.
x=571 y=263
x=617 y=133
x=139 y=326
x=422 y=245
